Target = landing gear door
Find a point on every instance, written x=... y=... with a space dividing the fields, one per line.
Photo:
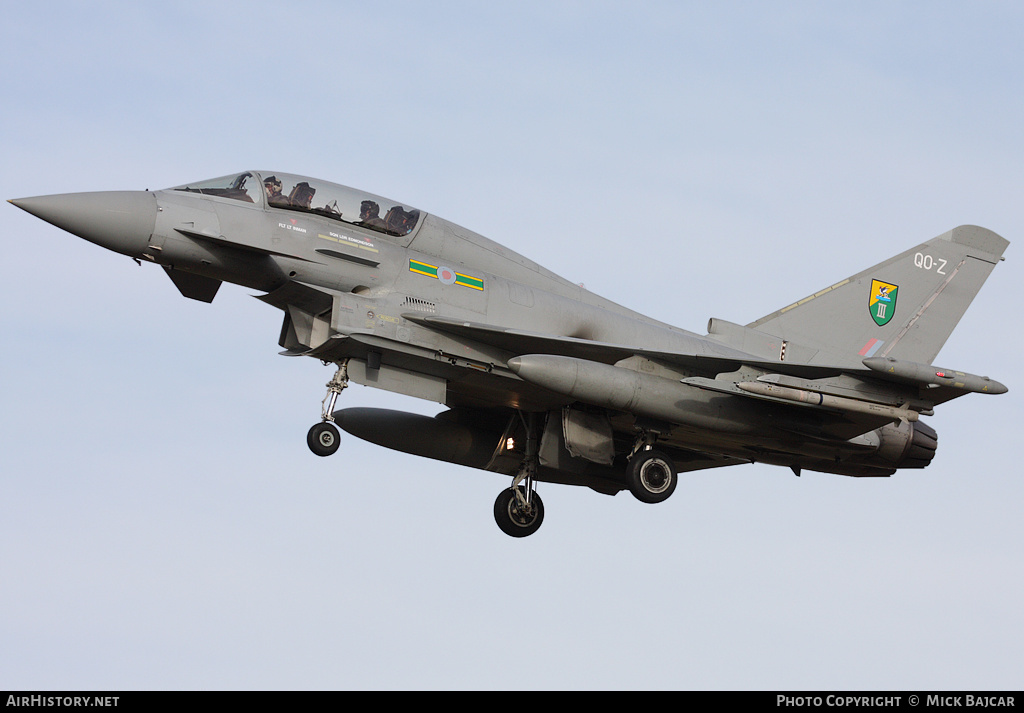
x=588 y=435
x=577 y=437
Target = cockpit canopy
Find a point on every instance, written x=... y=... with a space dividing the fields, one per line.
x=309 y=195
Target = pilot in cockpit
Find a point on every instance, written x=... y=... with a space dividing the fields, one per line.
x=272 y=186
x=302 y=195
x=369 y=216
x=400 y=221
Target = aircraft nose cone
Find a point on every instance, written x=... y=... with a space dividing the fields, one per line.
x=121 y=221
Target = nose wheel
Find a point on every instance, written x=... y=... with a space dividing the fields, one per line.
x=323 y=438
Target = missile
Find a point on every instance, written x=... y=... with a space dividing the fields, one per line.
x=644 y=395
x=667 y=400
x=926 y=374
x=788 y=393
x=419 y=435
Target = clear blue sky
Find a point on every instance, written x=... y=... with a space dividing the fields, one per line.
x=162 y=523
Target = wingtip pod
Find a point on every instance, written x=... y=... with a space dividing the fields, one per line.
x=927 y=374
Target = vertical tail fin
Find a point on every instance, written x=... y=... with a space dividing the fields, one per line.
x=905 y=307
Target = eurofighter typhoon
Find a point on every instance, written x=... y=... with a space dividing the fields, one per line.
x=544 y=381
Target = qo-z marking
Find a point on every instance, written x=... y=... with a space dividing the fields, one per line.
x=927 y=262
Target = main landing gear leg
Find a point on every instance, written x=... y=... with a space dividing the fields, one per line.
x=519 y=511
x=651 y=474
x=323 y=438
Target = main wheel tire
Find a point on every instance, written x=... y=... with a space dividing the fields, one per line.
x=652 y=476
x=323 y=439
x=512 y=519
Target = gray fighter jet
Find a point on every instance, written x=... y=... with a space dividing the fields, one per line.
x=544 y=381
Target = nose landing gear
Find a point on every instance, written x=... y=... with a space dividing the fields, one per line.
x=323 y=438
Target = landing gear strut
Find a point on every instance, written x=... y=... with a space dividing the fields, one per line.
x=323 y=438
x=519 y=511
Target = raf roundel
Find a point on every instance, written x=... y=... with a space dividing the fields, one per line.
x=446 y=275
